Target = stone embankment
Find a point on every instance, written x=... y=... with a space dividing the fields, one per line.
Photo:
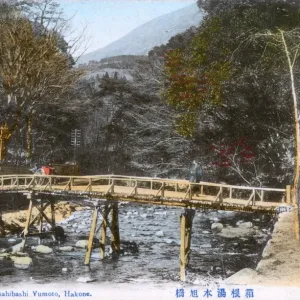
x=280 y=261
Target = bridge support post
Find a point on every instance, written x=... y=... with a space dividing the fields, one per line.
x=29 y=212
x=186 y=221
x=91 y=237
x=115 y=235
x=41 y=221
x=103 y=231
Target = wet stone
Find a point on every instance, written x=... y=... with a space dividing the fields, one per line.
x=81 y=244
x=43 y=249
x=160 y=233
x=21 y=262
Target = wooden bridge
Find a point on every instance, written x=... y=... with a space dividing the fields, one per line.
x=104 y=192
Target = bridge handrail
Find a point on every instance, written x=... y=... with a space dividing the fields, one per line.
x=141 y=179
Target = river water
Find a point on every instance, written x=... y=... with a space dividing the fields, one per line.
x=156 y=232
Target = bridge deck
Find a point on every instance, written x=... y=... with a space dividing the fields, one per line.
x=151 y=190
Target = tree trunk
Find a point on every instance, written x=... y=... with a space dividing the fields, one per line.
x=29 y=140
x=294 y=95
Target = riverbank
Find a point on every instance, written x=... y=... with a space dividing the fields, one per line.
x=280 y=262
x=15 y=220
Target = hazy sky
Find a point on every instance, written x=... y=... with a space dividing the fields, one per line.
x=108 y=20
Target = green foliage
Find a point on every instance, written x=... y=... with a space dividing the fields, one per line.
x=223 y=58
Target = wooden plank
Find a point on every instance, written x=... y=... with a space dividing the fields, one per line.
x=91 y=237
x=25 y=232
x=186 y=221
x=115 y=234
x=182 y=247
x=103 y=232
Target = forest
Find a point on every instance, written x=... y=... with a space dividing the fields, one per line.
x=221 y=93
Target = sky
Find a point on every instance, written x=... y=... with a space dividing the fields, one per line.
x=105 y=21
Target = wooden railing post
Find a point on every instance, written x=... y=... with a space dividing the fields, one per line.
x=163 y=189
x=262 y=196
x=90 y=184
x=112 y=186
x=288 y=195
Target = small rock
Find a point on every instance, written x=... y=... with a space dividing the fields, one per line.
x=64 y=269
x=129 y=213
x=81 y=244
x=21 y=262
x=217 y=227
x=205 y=232
x=244 y=224
x=4 y=255
x=136 y=213
x=160 y=233
x=22 y=254
x=85 y=279
x=144 y=216
x=16 y=248
x=75 y=225
x=169 y=241
x=82 y=227
x=78 y=208
x=205 y=246
x=43 y=249
x=66 y=248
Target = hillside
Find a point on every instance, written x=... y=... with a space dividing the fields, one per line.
x=153 y=33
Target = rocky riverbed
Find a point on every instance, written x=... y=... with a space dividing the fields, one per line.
x=222 y=244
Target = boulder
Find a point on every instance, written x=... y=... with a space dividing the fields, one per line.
x=43 y=249
x=81 y=244
x=21 y=262
x=217 y=227
x=239 y=232
x=241 y=277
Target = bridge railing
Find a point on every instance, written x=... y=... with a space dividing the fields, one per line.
x=154 y=187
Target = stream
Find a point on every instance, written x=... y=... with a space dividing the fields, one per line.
x=150 y=238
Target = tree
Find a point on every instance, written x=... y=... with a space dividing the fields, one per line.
x=248 y=81
x=33 y=71
x=288 y=42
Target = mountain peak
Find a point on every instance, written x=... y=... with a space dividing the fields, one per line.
x=153 y=33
